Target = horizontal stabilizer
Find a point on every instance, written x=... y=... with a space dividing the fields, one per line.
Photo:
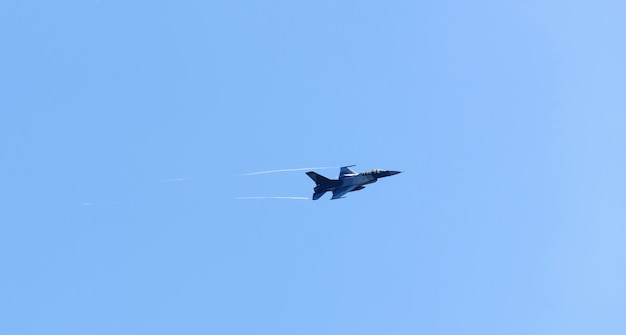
x=318 y=195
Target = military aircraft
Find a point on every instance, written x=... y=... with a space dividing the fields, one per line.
x=348 y=181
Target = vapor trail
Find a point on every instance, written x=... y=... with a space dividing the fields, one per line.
x=99 y=203
x=289 y=170
x=288 y=198
x=172 y=180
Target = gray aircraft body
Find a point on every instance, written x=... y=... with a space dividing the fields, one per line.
x=348 y=181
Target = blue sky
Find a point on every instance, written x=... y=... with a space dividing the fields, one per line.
x=126 y=128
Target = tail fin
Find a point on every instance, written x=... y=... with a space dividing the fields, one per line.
x=318 y=178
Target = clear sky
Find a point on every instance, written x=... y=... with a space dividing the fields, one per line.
x=126 y=128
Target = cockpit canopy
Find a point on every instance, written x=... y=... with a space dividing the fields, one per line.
x=375 y=171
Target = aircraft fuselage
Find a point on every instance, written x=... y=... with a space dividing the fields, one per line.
x=349 y=181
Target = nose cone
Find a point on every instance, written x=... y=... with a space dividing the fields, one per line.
x=386 y=173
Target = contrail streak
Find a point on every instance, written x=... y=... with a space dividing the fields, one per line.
x=289 y=170
x=173 y=180
x=99 y=203
x=288 y=198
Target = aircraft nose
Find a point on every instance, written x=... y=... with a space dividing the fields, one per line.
x=391 y=173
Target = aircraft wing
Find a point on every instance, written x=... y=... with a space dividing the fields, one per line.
x=346 y=171
x=340 y=192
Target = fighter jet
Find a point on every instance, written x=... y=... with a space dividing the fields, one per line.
x=348 y=181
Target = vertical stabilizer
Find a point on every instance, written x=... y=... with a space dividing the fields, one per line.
x=318 y=178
